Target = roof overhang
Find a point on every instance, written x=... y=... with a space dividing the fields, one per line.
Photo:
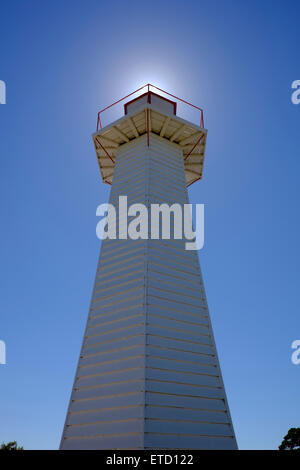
x=146 y=119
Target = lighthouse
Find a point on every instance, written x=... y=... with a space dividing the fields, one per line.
x=148 y=375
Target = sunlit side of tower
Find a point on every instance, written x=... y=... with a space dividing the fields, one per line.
x=148 y=374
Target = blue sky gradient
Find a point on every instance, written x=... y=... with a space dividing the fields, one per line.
x=62 y=61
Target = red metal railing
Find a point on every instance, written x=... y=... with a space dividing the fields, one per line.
x=99 y=124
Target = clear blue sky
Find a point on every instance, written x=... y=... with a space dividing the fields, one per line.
x=64 y=60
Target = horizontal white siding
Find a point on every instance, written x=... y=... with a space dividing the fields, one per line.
x=148 y=374
x=107 y=402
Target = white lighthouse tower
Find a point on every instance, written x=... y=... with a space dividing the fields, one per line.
x=148 y=374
